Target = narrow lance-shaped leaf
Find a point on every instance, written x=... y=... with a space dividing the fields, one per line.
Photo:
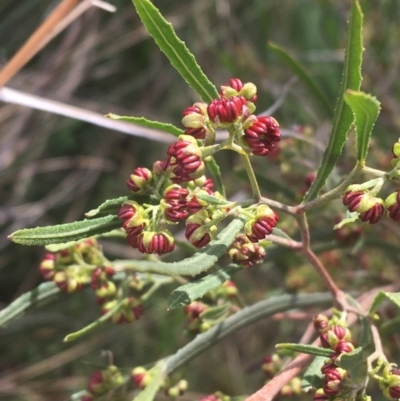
x=96 y=323
x=185 y=294
x=43 y=293
x=305 y=349
x=110 y=206
x=215 y=172
x=144 y=122
x=383 y=296
x=194 y=265
x=178 y=54
x=343 y=117
x=300 y=72
x=365 y=109
x=243 y=318
x=63 y=233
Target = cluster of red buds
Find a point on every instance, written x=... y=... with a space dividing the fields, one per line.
x=272 y=365
x=193 y=313
x=196 y=312
x=173 y=386
x=129 y=310
x=101 y=382
x=83 y=263
x=68 y=267
x=233 y=109
x=370 y=208
x=245 y=252
x=176 y=186
x=217 y=396
x=335 y=336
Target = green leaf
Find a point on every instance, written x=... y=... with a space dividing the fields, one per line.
x=110 y=206
x=343 y=117
x=194 y=265
x=306 y=349
x=96 y=323
x=279 y=233
x=64 y=233
x=313 y=377
x=178 y=54
x=151 y=389
x=185 y=294
x=213 y=200
x=365 y=109
x=215 y=172
x=215 y=314
x=300 y=72
x=43 y=293
x=244 y=318
x=355 y=364
x=383 y=296
x=144 y=122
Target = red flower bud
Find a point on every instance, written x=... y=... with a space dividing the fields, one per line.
x=47 y=266
x=191 y=230
x=320 y=395
x=139 y=180
x=262 y=135
x=195 y=309
x=225 y=111
x=152 y=242
x=175 y=198
x=321 y=323
x=194 y=120
x=97 y=383
x=245 y=252
x=392 y=204
x=266 y=220
x=371 y=209
x=185 y=159
x=342 y=347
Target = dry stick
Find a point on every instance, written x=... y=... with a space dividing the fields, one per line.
x=29 y=49
x=72 y=16
x=39 y=103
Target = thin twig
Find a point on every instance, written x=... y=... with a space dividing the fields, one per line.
x=17 y=97
x=29 y=49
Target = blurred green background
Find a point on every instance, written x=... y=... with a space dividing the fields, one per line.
x=54 y=168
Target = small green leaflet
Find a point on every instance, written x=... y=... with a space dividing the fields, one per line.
x=215 y=172
x=213 y=200
x=178 y=54
x=306 y=349
x=185 y=294
x=313 y=377
x=43 y=293
x=343 y=117
x=383 y=296
x=144 y=122
x=64 y=233
x=110 y=206
x=365 y=109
